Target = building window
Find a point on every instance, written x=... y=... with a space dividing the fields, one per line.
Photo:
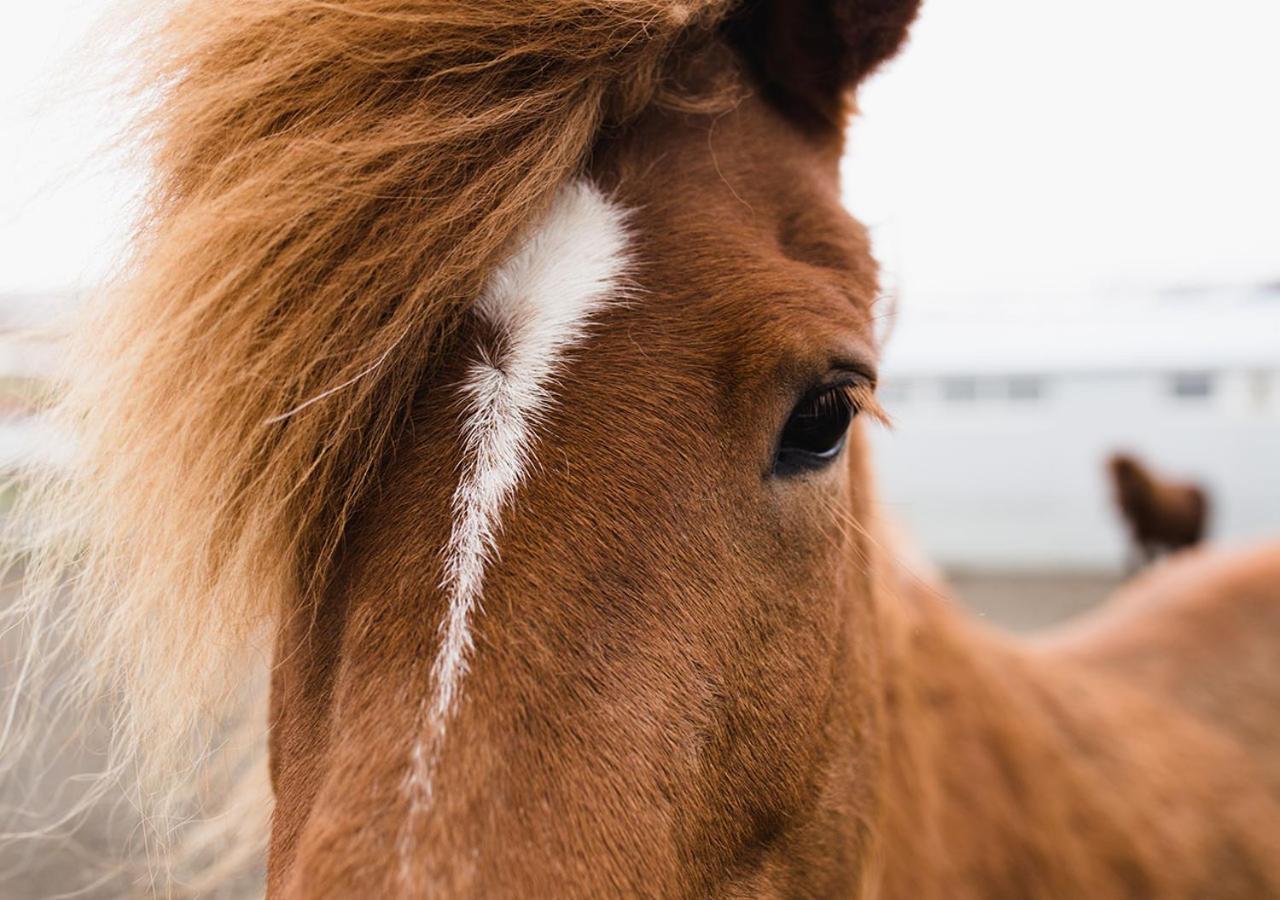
x=960 y=390
x=1191 y=385
x=893 y=392
x=1025 y=388
x=1260 y=388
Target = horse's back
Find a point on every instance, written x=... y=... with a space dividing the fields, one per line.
x=1203 y=631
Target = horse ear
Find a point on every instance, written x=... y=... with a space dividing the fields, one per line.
x=810 y=54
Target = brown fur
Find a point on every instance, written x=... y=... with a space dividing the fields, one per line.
x=690 y=678
x=1098 y=762
x=1162 y=515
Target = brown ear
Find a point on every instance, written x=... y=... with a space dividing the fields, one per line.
x=809 y=54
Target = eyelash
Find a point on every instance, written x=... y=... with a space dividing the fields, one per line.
x=817 y=428
x=863 y=397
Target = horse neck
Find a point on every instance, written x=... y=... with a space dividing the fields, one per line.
x=1010 y=773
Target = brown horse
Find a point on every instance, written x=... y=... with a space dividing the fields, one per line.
x=495 y=367
x=1162 y=515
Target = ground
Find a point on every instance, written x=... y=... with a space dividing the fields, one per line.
x=1026 y=602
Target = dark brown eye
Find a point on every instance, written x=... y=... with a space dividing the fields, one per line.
x=815 y=432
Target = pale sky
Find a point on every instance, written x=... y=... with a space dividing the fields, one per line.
x=1020 y=146
x=1016 y=148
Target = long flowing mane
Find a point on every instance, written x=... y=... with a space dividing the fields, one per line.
x=331 y=184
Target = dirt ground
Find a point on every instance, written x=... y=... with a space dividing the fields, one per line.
x=69 y=864
x=1026 y=602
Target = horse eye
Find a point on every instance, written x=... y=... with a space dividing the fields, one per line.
x=816 y=431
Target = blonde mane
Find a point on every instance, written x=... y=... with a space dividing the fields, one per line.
x=332 y=181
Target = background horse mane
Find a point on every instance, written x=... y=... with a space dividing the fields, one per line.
x=331 y=184
x=1161 y=514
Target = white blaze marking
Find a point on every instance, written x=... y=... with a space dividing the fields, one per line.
x=540 y=302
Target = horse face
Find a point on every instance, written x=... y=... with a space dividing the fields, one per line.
x=669 y=620
x=607 y=626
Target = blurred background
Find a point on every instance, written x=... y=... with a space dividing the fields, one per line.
x=1077 y=210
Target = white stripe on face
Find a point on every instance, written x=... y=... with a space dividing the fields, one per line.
x=540 y=302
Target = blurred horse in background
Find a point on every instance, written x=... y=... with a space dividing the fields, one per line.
x=1162 y=515
x=499 y=372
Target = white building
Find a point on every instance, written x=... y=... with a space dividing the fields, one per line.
x=1004 y=417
